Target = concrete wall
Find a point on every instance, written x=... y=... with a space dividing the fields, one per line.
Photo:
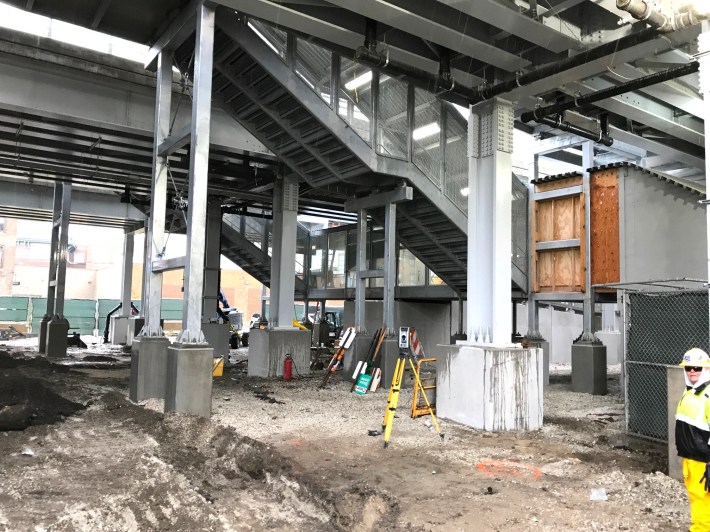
x=663 y=229
x=431 y=320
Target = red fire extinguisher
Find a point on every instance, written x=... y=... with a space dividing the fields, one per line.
x=288 y=367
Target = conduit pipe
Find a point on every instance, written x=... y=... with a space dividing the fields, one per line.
x=639 y=83
x=650 y=12
x=563 y=125
x=449 y=90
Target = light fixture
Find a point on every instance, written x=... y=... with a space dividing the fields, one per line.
x=359 y=81
x=464 y=191
x=426 y=131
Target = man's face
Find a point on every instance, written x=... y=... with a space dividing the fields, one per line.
x=693 y=373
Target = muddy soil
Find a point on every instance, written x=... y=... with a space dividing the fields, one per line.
x=287 y=456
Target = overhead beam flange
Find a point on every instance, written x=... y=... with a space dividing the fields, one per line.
x=397 y=195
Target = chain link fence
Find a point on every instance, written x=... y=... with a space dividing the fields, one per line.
x=662 y=321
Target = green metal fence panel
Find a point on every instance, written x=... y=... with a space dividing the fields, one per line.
x=39 y=307
x=171 y=309
x=81 y=314
x=14 y=308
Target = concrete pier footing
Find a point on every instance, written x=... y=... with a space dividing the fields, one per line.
x=217 y=335
x=545 y=346
x=149 y=356
x=358 y=351
x=43 y=333
x=268 y=348
x=188 y=384
x=57 y=330
x=490 y=388
x=589 y=368
x=118 y=330
x=135 y=324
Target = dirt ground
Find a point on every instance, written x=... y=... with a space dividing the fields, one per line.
x=287 y=456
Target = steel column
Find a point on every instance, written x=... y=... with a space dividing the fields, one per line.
x=390 y=261
x=155 y=233
x=490 y=143
x=283 y=254
x=265 y=249
x=62 y=251
x=127 y=275
x=197 y=195
x=52 y=274
x=533 y=309
x=213 y=242
x=360 y=266
x=588 y=299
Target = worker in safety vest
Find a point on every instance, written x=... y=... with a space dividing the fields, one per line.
x=692 y=436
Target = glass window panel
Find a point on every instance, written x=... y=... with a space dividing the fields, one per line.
x=425 y=135
x=456 y=167
x=336 y=259
x=313 y=64
x=355 y=98
x=272 y=36
x=317 y=276
x=410 y=271
x=435 y=279
x=392 y=123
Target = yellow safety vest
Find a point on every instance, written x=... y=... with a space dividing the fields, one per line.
x=693 y=424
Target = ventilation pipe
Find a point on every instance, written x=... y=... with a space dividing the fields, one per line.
x=650 y=12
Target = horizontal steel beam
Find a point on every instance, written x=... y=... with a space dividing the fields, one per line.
x=397 y=195
x=176 y=263
x=558 y=296
x=175 y=141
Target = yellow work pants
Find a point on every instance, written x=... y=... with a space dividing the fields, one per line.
x=693 y=471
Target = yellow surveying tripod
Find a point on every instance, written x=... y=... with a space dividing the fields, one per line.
x=405 y=356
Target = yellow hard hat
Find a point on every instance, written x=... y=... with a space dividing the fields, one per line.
x=695 y=357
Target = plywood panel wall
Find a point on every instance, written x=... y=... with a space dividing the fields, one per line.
x=604 y=221
x=558 y=270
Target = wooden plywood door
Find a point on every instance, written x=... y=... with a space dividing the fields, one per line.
x=604 y=222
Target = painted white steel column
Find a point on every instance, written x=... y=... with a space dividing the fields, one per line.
x=704 y=60
x=127 y=277
x=155 y=233
x=283 y=254
x=490 y=143
x=588 y=300
x=197 y=195
x=61 y=278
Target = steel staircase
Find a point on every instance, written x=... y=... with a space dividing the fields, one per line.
x=258 y=89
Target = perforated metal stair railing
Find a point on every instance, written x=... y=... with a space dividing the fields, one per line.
x=263 y=80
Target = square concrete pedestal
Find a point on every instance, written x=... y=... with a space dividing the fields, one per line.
x=268 y=348
x=675 y=380
x=589 y=368
x=57 y=330
x=358 y=351
x=118 y=330
x=545 y=346
x=188 y=385
x=490 y=388
x=217 y=335
x=135 y=324
x=149 y=363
